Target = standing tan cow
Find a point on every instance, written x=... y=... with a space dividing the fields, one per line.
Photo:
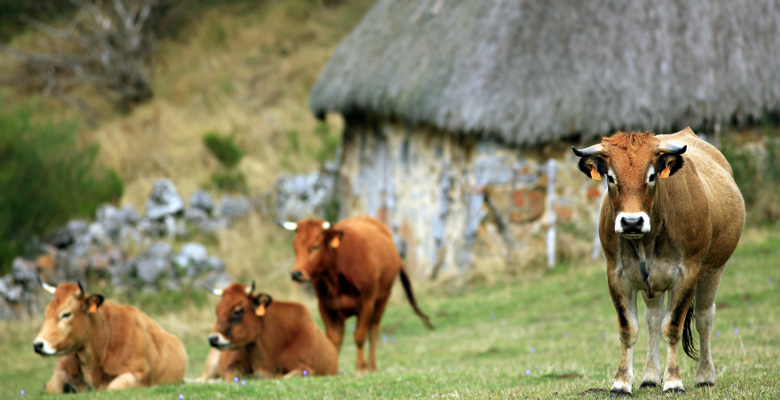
x=352 y=267
x=671 y=219
x=257 y=336
x=104 y=345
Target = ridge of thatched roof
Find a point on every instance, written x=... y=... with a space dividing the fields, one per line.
x=529 y=72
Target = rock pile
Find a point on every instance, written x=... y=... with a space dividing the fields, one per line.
x=104 y=249
x=300 y=196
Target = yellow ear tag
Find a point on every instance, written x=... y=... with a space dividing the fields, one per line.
x=92 y=308
x=665 y=173
x=594 y=174
x=260 y=310
x=335 y=242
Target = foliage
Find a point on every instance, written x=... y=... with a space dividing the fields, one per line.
x=46 y=179
x=11 y=12
x=224 y=148
x=547 y=337
x=756 y=167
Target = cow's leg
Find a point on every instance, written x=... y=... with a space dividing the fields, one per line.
x=363 y=322
x=705 y=316
x=58 y=381
x=624 y=299
x=127 y=380
x=680 y=299
x=373 y=332
x=211 y=369
x=67 y=376
x=654 y=315
x=334 y=326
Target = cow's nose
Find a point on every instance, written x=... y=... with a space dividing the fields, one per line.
x=214 y=340
x=632 y=224
x=297 y=276
x=38 y=347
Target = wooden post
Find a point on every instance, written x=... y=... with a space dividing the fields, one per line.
x=551 y=167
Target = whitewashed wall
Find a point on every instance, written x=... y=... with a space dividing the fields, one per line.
x=458 y=205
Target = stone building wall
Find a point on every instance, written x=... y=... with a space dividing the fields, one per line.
x=457 y=204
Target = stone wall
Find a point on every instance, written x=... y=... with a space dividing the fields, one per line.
x=457 y=204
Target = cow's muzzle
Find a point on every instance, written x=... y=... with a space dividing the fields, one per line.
x=218 y=342
x=632 y=225
x=297 y=276
x=43 y=348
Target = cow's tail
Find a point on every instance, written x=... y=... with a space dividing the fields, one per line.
x=687 y=337
x=410 y=295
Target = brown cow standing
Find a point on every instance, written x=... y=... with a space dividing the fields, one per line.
x=671 y=219
x=258 y=336
x=351 y=266
x=105 y=345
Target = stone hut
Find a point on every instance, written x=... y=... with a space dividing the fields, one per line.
x=456 y=111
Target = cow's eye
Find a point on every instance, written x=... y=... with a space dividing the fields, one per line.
x=651 y=178
x=317 y=247
x=610 y=179
x=65 y=315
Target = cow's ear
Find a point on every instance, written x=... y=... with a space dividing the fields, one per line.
x=591 y=162
x=92 y=303
x=670 y=160
x=333 y=237
x=260 y=303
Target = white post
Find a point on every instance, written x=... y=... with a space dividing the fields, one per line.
x=551 y=205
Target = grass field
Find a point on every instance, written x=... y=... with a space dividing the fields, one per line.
x=551 y=337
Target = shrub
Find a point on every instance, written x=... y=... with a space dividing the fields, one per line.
x=46 y=180
x=230 y=181
x=223 y=148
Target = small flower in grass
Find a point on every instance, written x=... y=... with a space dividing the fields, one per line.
x=22 y=392
x=717 y=334
x=243 y=383
x=771 y=280
x=305 y=372
x=385 y=338
x=235 y=379
x=528 y=372
x=603 y=334
x=736 y=331
x=533 y=350
x=181 y=397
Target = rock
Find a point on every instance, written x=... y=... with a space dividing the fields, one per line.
x=201 y=199
x=231 y=208
x=192 y=259
x=151 y=265
x=164 y=200
x=215 y=264
x=301 y=195
x=114 y=220
x=9 y=291
x=24 y=273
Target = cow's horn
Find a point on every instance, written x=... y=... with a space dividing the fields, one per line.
x=326 y=225
x=595 y=150
x=290 y=226
x=250 y=289
x=81 y=288
x=215 y=292
x=48 y=288
x=670 y=148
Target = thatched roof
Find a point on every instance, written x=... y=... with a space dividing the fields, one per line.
x=529 y=72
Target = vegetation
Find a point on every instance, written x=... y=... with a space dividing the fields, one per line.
x=228 y=153
x=554 y=336
x=46 y=179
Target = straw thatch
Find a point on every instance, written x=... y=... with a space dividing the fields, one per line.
x=528 y=72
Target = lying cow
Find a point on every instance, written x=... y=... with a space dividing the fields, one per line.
x=671 y=219
x=104 y=345
x=352 y=267
x=258 y=336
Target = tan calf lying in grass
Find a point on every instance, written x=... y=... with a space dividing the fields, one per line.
x=105 y=345
x=258 y=336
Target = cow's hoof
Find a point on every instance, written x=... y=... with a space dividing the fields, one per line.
x=648 y=385
x=705 y=384
x=677 y=391
x=68 y=388
x=619 y=393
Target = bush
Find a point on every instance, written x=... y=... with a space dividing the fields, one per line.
x=230 y=181
x=224 y=148
x=46 y=180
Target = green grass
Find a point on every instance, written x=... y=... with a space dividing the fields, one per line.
x=553 y=337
